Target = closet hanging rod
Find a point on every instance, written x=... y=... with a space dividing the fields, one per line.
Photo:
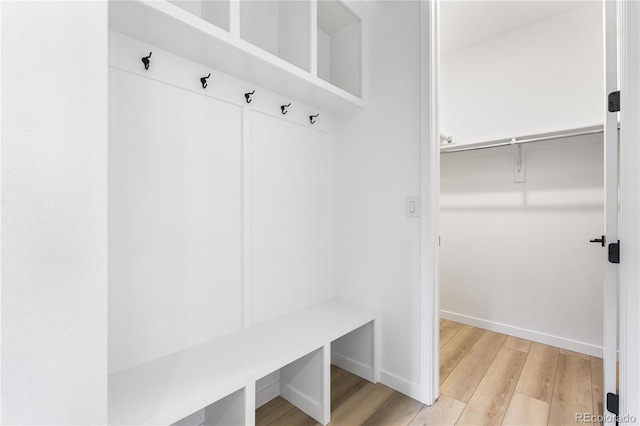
x=515 y=141
x=449 y=139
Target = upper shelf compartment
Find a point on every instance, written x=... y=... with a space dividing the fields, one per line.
x=267 y=43
x=339 y=46
x=282 y=28
x=215 y=12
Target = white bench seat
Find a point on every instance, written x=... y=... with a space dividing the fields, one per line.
x=167 y=389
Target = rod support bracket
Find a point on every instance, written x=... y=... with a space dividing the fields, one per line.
x=518 y=168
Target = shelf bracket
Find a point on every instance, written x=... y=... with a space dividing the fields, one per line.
x=518 y=169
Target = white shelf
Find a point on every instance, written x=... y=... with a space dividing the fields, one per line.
x=169 y=27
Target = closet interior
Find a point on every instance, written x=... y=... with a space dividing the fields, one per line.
x=522 y=170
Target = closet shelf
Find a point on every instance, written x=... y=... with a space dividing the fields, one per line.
x=169 y=27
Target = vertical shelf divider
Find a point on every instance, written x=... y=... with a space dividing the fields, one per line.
x=313 y=39
x=234 y=18
x=250 y=404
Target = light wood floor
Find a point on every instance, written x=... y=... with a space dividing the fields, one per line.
x=485 y=378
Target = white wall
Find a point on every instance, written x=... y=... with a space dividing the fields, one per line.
x=294 y=34
x=192 y=6
x=324 y=56
x=213 y=11
x=345 y=58
x=544 y=77
x=259 y=23
x=339 y=59
x=376 y=248
x=276 y=27
x=516 y=257
x=54 y=213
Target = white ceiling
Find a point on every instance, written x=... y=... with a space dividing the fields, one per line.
x=465 y=23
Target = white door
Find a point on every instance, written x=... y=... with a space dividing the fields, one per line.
x=611 y=210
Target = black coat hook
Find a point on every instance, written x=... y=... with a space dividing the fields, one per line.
x=146 y=61
x=311 y=118
x=203 y=80
x=284 y=108
x=247 y=96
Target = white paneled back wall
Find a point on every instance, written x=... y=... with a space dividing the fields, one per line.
x=175 y=210
x=516 y=257
x=218 y=209
x=289 y=216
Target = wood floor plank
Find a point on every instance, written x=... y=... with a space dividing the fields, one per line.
x=464 y=379
x=359 y=407
x=539 y=372
x=490 y=401
x=398 y=410
x=517 y=344
x=445 y=411
x=572 y=389
x=596 y=385
x=576 y=354
x=273 y=410
x=448 y=329
x=295 y=417
x=524 y=410
x=336 y=372
x=343 y=387
x=456 y=348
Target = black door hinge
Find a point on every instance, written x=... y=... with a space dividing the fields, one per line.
x=614 y=101
x=614 y=252
x=613 y=403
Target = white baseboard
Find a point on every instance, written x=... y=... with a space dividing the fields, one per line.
x=523 y=333
x=400 y=384
x=353 y=366
x=267 y=394
x=307 y=404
